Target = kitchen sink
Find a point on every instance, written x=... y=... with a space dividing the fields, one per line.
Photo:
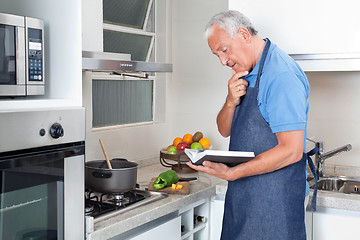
x=339 y=184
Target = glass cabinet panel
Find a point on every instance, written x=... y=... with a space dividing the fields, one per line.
x=118 y=102
x=128 y=13
x=120 y=42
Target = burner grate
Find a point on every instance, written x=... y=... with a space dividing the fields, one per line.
x=97 y=205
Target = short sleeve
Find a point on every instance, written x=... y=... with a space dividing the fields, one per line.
x=287 y=103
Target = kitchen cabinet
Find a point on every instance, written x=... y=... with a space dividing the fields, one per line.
x=320 y=26
x=195 y=220
x=167 y=230
x=309 y=224
x=334 y=224
x=165 y=227
x=188 y=223
x=216 y=216
x=320 y=35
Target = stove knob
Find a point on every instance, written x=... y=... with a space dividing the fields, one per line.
x=42 y=132
x=56 y=130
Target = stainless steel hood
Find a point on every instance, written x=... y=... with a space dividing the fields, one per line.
x=325 y=56
x=114 y=62
x=328 y=61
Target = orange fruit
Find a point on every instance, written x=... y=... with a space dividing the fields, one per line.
x=204 y=142
x=177 y=140
x=188 y=138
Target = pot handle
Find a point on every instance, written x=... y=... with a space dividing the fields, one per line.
x=102 y=174
x=120 y=159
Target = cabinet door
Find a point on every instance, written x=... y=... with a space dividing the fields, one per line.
x=216 y=216
x=309 y=224
x=305 y=27
x=167 y=230
x=334 y=224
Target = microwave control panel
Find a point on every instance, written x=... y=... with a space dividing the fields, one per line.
x=35 y=55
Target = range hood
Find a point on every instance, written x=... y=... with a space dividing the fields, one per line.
x=116 y=62
x=328 y=61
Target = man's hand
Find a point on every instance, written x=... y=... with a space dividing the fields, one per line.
x=236 y=88
x=215 y=169
x=288 y=151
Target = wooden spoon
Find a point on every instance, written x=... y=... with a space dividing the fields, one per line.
x=107 y=159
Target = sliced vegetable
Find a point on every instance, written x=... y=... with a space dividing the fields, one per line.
x=166 y=179
x=176 y=187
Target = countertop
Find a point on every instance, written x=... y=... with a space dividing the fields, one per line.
x=203 y=187
x=206 y=186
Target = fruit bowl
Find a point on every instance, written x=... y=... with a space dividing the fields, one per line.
x=179 y=154
x=176 y=161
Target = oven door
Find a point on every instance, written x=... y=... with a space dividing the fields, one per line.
x=41 y=193
x=12 y=55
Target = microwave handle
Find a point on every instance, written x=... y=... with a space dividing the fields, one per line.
x=21 y=55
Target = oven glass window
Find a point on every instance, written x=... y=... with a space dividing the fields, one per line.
x=7 y=55
x=31 y=201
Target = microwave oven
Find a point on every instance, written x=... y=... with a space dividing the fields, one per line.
x=21 y=56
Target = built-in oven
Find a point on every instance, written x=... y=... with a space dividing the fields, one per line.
x=21 y=56
x=42 y=174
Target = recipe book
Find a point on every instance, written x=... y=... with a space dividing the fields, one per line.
x=230 y=158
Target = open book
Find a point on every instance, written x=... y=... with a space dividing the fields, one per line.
x=230 y=158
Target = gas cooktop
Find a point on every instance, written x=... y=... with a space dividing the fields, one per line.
x=101 y=206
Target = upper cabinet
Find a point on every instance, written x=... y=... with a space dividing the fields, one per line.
x=321 y=35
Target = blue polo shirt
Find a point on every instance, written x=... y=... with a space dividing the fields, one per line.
x=283 y=93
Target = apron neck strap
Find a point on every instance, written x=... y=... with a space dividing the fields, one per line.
x=262 y=60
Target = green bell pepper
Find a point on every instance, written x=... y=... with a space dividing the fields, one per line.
x=165 y=179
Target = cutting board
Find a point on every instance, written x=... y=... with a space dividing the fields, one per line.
x=185 y=189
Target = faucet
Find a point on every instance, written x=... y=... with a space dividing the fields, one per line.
x=320 y=157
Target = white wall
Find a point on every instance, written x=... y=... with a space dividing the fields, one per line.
x=92 y=25
x=334 y=115
x=199 y=82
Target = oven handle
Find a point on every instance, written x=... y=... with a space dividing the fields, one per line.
x=102 y=174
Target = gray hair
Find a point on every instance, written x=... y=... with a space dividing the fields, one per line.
x=231 y=21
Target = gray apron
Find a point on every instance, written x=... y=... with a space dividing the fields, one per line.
x=266 y=206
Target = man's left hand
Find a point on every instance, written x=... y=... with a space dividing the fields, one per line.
x=215 y=169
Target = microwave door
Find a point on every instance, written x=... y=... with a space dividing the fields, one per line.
x=12 y=60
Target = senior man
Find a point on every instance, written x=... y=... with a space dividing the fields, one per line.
x=265 y=112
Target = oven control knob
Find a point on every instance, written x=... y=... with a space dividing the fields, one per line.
x=56 y=130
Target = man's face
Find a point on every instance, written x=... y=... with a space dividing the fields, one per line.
x=232 y=52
